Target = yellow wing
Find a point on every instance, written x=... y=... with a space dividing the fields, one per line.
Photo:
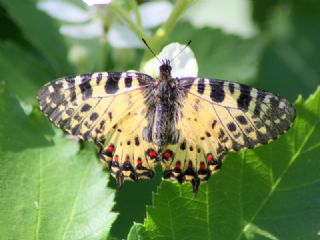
x=108 y=108
x=220 y=116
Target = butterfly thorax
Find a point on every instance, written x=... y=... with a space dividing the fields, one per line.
x=163 y=105
x=165 y=72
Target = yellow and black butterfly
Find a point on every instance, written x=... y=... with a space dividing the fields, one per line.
x=186 y=124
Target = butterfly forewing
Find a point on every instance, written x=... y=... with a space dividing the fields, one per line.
x=91 y=102
x=247 y=116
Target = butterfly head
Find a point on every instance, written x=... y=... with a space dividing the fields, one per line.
x=165 y=70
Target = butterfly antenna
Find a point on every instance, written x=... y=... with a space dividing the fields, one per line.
x=185 y=46
x=145 y=43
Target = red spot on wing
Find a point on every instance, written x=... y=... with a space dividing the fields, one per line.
x=178 y=164
x=110 y=148
x=202 y=165
x=152 y=153
x=210 y=157
x=167 y=154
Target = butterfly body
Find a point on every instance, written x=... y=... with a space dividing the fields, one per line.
x=163 y=100
x=186 y=124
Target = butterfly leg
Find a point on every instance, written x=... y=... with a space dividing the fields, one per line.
x=119 y=179
x=195 y=184
x=106 y=154
x=215 y=164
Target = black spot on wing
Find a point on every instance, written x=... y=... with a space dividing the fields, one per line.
x=183 y=145
x=231 y=87
x=217 y=92
x=110 y=115
x=112 y=83
x=85 y=108
x=69 y=111
x=85 y=86
x=241 y=119
x=94 y=116
x=137 y=141
x=213 y=124
x=244 y=98
x=231 y=126
x=201 y=86
x=99 y=78
x=128 y=81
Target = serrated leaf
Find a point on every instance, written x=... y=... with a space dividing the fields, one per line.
x=49 y=189
x=40 y=30
x=268 y=193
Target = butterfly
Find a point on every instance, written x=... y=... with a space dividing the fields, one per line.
x=187 y=124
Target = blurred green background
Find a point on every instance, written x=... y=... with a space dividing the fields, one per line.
x=273 y=45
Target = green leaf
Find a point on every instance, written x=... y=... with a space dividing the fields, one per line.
x=135 y=231
x=40 y=30
x=23 y=72
x=49 y=188
x=268 y=193
x=292 y=55
x=220 y=55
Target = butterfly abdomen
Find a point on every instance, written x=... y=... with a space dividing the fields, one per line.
x=163 y=113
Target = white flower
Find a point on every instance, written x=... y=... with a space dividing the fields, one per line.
x=97 y=2
x=184 y=64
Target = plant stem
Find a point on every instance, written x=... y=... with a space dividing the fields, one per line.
x=125 y=17
x=135 y=9
x=163 y=32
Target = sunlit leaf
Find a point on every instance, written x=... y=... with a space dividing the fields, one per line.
x=268 y=193
x=49 y=188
